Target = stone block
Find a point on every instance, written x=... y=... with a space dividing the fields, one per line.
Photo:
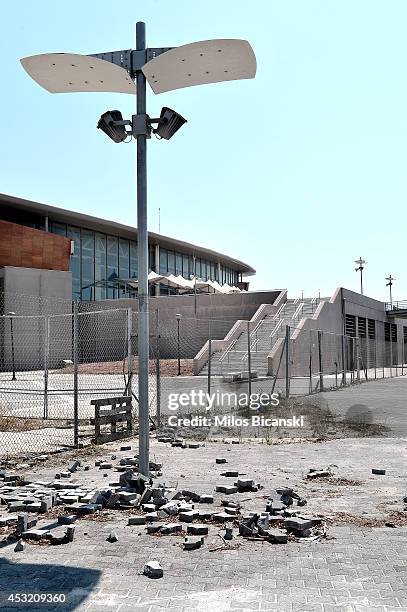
x=137 y=520
x=191 y=543
x=226 y=489
x=153 y=569
x=198 y=529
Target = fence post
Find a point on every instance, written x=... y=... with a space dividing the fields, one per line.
x=46 y=366
x=287 y=361
x=391 y=354
x=129 y=351
x=75 y=374
x=157 y=367
x=249 y=360
x=375 y=357
x=209 y=359
x=343 y=360
x=321 y=366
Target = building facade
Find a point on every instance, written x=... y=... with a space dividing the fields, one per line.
x=103 y=254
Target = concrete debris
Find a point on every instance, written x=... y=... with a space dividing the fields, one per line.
x=191 y=543
x=112 y=537
x=153 y=569
x=19 y=547
x=378 y=472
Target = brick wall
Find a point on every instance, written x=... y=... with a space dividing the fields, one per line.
x=25 y=247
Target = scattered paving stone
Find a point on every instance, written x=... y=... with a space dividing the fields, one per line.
x=137 y=520
x=65 y=475
x=220 y=460
x=227 y=489
x=152 y=517
x=204 y=515
x=378 y=472
x=74 y=466
x=231 y=511
x=171 y=528
x=191 y=495
x=189 y=516
x=198 y=529
x=153 y=528
x=206 y=499
x=278 y=536
x=228 y=533
x=105 y=466
x=35 y=534
x=67 y=519
x=194 y=445
x=221 y=517
x=70 y=532
x=319 y=473
x=153 y=569
x=170 y=508
x=192 y=543
x=230 y=474
x=112 y=537
x=19 y=547
x=127 y=447
x=297 y=524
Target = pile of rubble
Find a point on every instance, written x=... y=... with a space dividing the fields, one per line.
x=163 y=510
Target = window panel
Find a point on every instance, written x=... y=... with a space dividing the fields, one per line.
x=100 y=267
x=178 y=263
x=87 y=264
x=112 y=266
x=133 y=260
x=163 y=261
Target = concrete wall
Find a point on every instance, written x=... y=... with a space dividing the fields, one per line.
x=32 y=294
x=216 y=314
x=329 y=318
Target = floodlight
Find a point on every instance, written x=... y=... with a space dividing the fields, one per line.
x=108 y=123
x=169 y=123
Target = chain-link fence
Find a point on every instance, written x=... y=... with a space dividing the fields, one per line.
x=57 y=356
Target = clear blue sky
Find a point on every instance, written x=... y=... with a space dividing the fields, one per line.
x=297 y=172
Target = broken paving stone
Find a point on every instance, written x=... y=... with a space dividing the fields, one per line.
x=19 y=547
x=35 y=534
x=164 y=439
x=191 y=543
x=227 y=489
x=74 y=466
x=378 y=472
x=245 y=530
x=112 y=537
x=278 y=536
x=221 y=517
x=198 y=529
x=153 y=528
x=194 y=445
x=105 y=466
x=137 y=520
x=228 y=533
x=231 y=511
x=206 y=499
x=189 y=516
x=230 y=474
x=65 y=474
x=152 y=517
x=171 y=528
x=170 y=508
x=83 y=508
x=221 y=460
x=148 y=507
x=191 y=495
x=127 y=447
x=297 y=524
x=204 y=515
x=67 y=519
x=153 y=569
x=244 y=484
x=319 y=473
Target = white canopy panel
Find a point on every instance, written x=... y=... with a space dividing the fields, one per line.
x=71 y=72
x=200 y=63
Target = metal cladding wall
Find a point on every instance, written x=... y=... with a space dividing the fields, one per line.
x=26 y=247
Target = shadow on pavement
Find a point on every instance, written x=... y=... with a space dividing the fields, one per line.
x=44 y=587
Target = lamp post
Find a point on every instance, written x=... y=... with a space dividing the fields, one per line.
x=11 y=315
x=178 y=317
x=389 y=284
x=126 y=71
x=361 y=263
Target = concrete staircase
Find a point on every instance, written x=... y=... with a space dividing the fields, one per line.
x=262 y=338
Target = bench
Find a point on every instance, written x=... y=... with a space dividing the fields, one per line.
x=110 y=412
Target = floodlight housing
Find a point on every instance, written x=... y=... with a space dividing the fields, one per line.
x=108 y=124
x=169 y=123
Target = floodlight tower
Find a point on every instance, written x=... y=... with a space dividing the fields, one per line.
x=389 y=284
x=165 y=69
x=361 y=264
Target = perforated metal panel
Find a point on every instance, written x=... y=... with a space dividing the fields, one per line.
x=71 y=72
x=200 y=63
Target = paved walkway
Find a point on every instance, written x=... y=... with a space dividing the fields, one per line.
x=358 y=568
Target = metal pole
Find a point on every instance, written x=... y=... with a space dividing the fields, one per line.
x=287 y=361
x=75 y=375
x=361 y=280
x=142 y=242
x=178 y=348
x=129 y=351
x=157 y=368
x=209 y=359
x=249 y=360
x=321 y=372
x=12 y=349
x=46 y=366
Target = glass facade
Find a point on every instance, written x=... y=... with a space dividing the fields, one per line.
x=101 y=263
